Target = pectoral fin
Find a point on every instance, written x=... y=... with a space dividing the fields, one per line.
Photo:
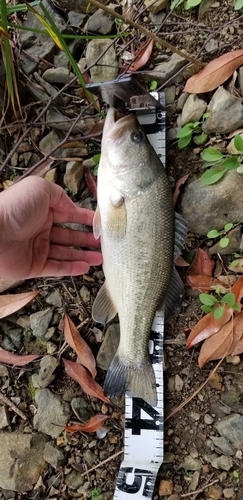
x=117 y=221
x=103 y=308
x=97 y=223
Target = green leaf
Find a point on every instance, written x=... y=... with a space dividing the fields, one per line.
x=211 y=155
x=228 y=226
x=184 y=141
x=96 y=158
x=224 y=242
x=200 y=139
x=235 y=473
x=206 y=309
x=211 y=176
x=231 y=163
x=218 y=312
x=238 y=4
x=234 y=263
x=189 y=4
x=213 y=233
x=236 y=307
x=184 y=132
x=238 y=143
x=207 y=300
x=229 y=298
x=195 y=124
x=153 y=85
x=206 y=115
x=175 y=3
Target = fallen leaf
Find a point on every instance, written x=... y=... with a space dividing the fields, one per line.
x=180 y=262
x=91 y=426
x=238 y=268
x=237 y=345
x=217 y=346
x=78 y=344
x=202 y=283
x=178 y=185
x=84 y=379
x=203 y=264
x=12 y=303
x=208 y=326
x=234 y=133
x=91 y=181
x=237 y=289
x=142 y=56
x=215 y=73
x=13 y=359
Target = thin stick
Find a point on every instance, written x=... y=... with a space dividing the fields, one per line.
x=196 y=492
x=102 y=463
x=147 y=32
x=12 y=406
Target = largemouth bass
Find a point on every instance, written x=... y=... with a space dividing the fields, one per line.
x=136 y=222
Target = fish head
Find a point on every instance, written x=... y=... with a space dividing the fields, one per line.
x=129 y=162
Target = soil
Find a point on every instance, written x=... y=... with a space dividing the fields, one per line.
x=188 y=431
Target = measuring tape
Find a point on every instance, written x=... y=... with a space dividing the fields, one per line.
x=144 y=436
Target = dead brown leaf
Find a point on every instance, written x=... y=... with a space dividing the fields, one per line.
x=12 y=303
x=78 y=344
x=178 y=185
x=237 y=289
x=91 y=426
x=238 y=268
x=208 y=326
x=215 y=73
x=202 y=283
x=203 y=264
x=84 y=379
x=13 y=359
x=218 y=345
x=142 y=56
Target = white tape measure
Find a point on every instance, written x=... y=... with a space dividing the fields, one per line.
x=144 y=436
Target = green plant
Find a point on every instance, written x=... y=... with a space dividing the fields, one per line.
x=192 y=130
x=238 y=4
x=217 y=305
x=96 y=159
x=187 y=4
x=236 y=475
x=153 y=85
x=95 y=493
x=224 y=241
x=221 y=163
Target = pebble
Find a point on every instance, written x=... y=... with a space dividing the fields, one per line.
x=4 y=417
x=193 y=109
x=84 y=294
x=214 y=492
x=39 y=322
x=50 y=141
x=48 y=365
x=51 y=410
x=167 y=69
x=54 y=298
x=54 y=456
x=100 y=22
x=222 y=463
x=73 y=176
x=107 y=69
x=178 y=383
x=166 y=487
x=223 y=104
x=58 y=75
x=228 y=493
x=52 y=175
x=81 y=409
x=89 y=457
x=109 y=346
x=191 y=463
x=194 y=482
x=223 y=444
x=231 y=427
x=3 y=371
x=208 y=419
x=194 y=416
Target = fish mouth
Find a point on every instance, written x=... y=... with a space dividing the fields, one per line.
x=116 y=127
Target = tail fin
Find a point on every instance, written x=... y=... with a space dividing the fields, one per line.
x=137 y=380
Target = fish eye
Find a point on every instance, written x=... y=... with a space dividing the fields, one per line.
x=137 y=136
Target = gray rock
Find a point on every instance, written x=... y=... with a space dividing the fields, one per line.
x=89 y=457
x=100 y=22
x=193 y=109
x=54 y=299
x=58 y=75
x=191 y=463
x=226 y=113
x=107 y=66
x=73 y=176
x=51 y=410
x=204 y=7
x=50 y=141
x=233 y=245
x=165 y=70
x=231 y=427
x=222 y=463
x=211 y=45
x=74 y=480
x=60 y=121
x=211 y=207
x=48 y=364
x=81 y=408
x=109 y=346
x=157 y=18
x=229 y=492
x=170 y=93
x=76 y=19
x=54 y=456
x=231 y=149
x=21 y=460
x=4 y=417
x=39 y=322
x=223 y=444
x=156 y=6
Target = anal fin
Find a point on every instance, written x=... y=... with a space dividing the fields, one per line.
x=103 y=309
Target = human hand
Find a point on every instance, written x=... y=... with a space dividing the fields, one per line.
x=30 y=243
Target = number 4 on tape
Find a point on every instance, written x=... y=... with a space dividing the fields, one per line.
x=143 y=453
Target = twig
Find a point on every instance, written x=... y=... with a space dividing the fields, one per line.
x=147 y=33
x=200 y=490
x=12 y=406
x=102 y=463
